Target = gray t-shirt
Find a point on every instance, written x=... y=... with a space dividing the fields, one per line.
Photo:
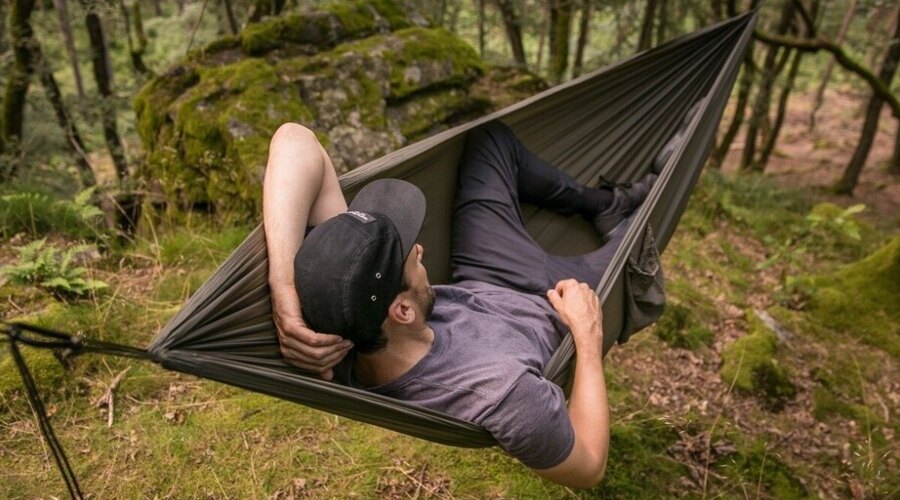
x=490 y=346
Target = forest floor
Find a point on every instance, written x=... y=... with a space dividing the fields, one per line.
x=817 y=418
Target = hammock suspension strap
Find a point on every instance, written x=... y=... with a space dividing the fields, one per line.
x=42 y=338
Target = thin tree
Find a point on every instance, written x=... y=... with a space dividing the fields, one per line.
x=662 y=18
x=513 y=28
x=103 y=77
x=560 y=29
x=646 y=39
x=583 y=28
x=63 y=117
x=745 y=84
x=894 y=167
x=772 y=136
x=138 y=44
x=481 y=28
x=544 y=29
x=826 y=74
x=229 y=15
x=850 y=179
x=21 y=36
x=65 y=27
x=770 y=71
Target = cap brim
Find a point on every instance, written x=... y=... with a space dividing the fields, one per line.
x=400 y=201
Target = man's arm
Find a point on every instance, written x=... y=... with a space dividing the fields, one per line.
x=579 y=308
x=300 y=189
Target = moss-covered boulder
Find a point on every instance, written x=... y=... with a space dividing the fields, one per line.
x=749 y=363
x=863 y=299
x=369 y=76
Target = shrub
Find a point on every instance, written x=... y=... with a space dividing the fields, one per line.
x=53 y=270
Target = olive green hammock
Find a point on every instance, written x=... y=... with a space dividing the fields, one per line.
x=612 y=122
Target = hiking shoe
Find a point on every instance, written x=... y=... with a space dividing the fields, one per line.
x=626 y=198
x=666 y=152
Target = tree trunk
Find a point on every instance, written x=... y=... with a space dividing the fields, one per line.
x=65 y=27
x=820 y=92
x=513 y=30
x=873 y=111
x=261 y=8
x=73 y=138
x=21 y=36
x=716 y=11
x=560 y=29
x=582 y=38
x=661 y=21
x=229 y=15
x=894 y=167
x=646 y=40
x=157 y=8
x=100 y=62
x=764 y=91
x=743 y=96
x=481 y=28
x=545 y=28
x=3 y=45
x=772 y=137
x=138 y=44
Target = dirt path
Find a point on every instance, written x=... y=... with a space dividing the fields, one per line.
x=817 y=159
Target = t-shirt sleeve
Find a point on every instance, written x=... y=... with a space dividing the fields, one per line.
x=532 y=423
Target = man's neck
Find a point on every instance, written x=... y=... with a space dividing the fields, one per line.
x=404 y=349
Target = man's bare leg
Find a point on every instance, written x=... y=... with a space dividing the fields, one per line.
x=300 y=189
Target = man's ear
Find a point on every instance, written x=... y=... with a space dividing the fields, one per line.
x=401 y=310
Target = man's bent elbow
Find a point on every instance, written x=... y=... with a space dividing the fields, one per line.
x=582 y=475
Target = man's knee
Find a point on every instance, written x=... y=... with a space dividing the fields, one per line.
x=493 y=131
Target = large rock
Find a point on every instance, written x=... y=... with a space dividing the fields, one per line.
x=368 y=76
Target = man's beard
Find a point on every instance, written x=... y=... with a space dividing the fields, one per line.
x=425 y=300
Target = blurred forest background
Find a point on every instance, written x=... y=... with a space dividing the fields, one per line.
x=132 y=141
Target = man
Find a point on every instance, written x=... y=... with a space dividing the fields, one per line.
x=474 y=349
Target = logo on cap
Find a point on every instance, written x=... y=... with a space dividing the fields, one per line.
x=362 y=216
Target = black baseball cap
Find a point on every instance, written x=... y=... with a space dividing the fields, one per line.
x=350 y=268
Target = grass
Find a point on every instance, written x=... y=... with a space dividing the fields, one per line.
x=175 y=435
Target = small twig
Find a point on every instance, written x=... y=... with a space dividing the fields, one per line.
x=196 y=26
x=108 y=397
x=15 y=306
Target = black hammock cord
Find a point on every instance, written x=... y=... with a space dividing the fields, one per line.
x=44 y=338
x=626 y=114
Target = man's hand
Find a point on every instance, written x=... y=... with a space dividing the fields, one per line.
x=302 y=347
x=579 y=308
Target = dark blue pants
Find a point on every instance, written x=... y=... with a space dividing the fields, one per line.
x=490 y=243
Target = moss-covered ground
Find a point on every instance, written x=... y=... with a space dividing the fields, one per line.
x=748 y=386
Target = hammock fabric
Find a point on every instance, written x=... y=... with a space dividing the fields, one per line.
x=611 y=122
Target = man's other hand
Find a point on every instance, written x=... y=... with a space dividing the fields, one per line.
x=579 y=308
x=302 y=347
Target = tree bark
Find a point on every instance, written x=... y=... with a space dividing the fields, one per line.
x=746 y=83
x=542 y=38
x=894 y=167
x=481 y=28
x=772 y=137
x=157 y=8
x=138 y=44
x=583 y=28
x=64 y=118
x=646 y=39
x=65 y=27
x=826 y=75
x=21 y=36
x=873 y=112
x=513 y=30
x=764 y=92
x=229 y=15
x=661 y=21
x=560 y=29
x=3 y=45
x=102 y=75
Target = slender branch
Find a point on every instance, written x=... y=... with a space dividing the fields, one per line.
x=819 y=43
x=807 y=18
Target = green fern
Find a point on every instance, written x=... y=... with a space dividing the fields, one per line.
x=53 y=270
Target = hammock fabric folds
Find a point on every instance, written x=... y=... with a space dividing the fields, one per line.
x=611 y=122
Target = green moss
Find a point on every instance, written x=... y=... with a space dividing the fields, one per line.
x=861 y=299
x=749 y=363
x=44 y=367
x=151 y=104
x=760 y=468
x=259 y=38
x=679 y=327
